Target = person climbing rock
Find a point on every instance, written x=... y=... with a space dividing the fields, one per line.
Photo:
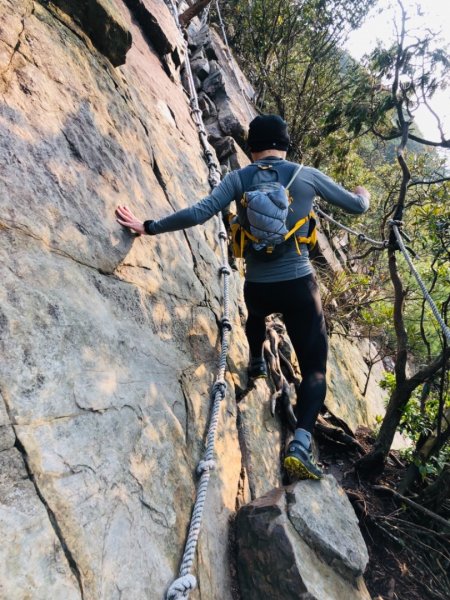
x=279 y=277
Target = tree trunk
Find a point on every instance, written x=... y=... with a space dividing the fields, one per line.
x=426 y=448
x=191 y=12
x=373 y=463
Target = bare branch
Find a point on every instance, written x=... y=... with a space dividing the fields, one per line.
x=424 y=182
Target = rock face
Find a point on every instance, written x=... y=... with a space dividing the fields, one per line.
x=301 y=542
x=109 y=342
x=100 y=20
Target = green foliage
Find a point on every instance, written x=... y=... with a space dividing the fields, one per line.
x=418 y=422
x=348 y=119
x=290 y=50
x=388 y=382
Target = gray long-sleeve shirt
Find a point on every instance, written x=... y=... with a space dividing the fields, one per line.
x=309 y=183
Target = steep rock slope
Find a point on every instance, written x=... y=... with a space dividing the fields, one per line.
x=109 y=343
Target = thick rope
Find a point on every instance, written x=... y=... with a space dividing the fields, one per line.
x=231 y=62
x=181 y=587
x=361 y=236
x=445 y=329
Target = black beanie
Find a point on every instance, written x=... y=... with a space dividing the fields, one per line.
x=268 y=132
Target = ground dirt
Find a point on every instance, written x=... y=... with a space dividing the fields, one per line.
x=409 y=556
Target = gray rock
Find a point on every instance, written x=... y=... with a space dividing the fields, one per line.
x=7 y=436
x=215 y=134
x=235 y=161
x=225 y=147
x=276 y=563
x=214 y=84
x=214 y=66
x=199 y=37
x=210 y=52
x=200 y=67
x=229 y=123
x=32 y=560
x=323 y=516
x=207 y=106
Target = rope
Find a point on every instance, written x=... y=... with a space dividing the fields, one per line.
x=361 y=236
x=185 y=583
x=395 y=228
x=231 y=62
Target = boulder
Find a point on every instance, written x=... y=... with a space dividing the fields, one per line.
x=225 y=148
x=207 y=106
x=301 y=542
x=200 y=67
x=213 y=85
x=229 y=121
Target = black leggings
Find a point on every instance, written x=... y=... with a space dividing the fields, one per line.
x=299 y=302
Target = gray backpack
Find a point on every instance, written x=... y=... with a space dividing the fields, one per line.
x=262 y=218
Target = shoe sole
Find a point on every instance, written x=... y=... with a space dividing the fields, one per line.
x=297 y=470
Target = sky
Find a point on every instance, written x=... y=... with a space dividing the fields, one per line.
x=433 y=14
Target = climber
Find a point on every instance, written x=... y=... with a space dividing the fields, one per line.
x=285 y=283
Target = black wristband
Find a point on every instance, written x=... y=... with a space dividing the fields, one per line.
x=147 y=225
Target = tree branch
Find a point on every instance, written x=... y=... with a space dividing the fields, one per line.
x=412 y=504
x=191 y=12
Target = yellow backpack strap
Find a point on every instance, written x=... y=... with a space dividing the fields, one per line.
x=242 y=246
x=297 y=226
x=250 y=236
x=311 y=240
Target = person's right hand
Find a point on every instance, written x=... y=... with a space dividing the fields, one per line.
x=127 y=219
x=362 y=191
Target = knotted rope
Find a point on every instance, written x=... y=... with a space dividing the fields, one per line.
x=361 y=236
x=181 y=587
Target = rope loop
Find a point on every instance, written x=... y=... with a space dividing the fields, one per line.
x=205 y=465
x=180 y=586
x=225 y=323
x=219 y=387
x=224 y=269
x=223 y=236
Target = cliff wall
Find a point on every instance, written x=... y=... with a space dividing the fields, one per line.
x=109 y=342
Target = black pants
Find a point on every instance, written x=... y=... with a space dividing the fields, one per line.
x=299 y=302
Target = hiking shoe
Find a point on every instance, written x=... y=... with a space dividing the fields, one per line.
x=257 y=369
x=300 y=464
